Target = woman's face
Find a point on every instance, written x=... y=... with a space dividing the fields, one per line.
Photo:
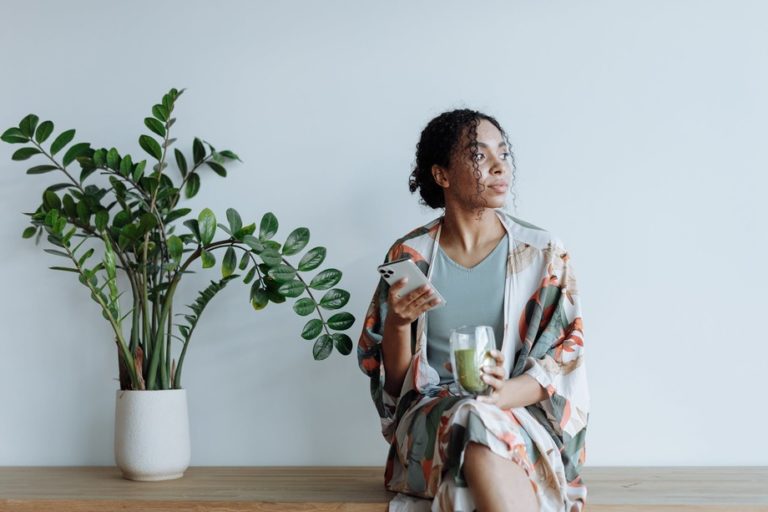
x=459 y=181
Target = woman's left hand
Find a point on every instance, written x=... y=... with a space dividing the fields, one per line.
x=494 y=377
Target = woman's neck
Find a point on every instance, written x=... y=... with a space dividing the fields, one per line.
x=465 y=231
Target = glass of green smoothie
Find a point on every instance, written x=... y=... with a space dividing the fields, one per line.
x=471 y=347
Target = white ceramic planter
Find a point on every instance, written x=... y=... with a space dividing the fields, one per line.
x=152 y=434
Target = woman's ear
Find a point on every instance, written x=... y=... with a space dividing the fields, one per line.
x=440 y=176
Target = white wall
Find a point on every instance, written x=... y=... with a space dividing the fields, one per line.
x=639 y=130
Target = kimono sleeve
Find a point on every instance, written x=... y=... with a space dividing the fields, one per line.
x=369 y=357
x=554 y=329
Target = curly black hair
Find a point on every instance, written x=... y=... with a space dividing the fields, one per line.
x=437 y=145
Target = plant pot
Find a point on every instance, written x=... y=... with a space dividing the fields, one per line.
x=152 y=434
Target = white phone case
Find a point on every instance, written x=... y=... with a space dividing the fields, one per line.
x=393 y=271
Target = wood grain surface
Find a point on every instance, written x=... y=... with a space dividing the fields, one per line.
x=353 y=489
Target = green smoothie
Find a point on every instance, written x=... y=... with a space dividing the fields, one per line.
x=468 y=366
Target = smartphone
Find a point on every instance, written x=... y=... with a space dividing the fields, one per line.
x=394 y=271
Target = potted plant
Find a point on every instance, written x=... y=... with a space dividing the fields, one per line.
x=126 y=221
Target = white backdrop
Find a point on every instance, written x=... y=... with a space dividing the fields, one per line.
x=639 y=130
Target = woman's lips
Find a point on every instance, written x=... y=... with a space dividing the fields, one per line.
x=499 y=188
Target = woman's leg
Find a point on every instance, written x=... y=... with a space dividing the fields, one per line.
x=497 y=484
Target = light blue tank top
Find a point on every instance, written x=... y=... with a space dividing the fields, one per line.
x=473 y=296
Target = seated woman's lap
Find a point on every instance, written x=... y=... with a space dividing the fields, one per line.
x=433 y=435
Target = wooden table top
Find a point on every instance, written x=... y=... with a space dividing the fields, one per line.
x=224 y=489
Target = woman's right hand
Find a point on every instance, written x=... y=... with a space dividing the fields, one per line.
x=403 y=310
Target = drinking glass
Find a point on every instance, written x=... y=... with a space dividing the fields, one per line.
x=471 y=347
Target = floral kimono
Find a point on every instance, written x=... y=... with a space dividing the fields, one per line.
x=428 y=426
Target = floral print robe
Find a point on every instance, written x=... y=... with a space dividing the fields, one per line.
x=428 y=427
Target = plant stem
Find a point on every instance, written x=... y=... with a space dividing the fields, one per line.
x=119 y=340
x=317 y=304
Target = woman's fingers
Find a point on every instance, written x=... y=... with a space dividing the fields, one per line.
x=413 y=304
x=493 y=381
x=495 y=371
x=395 y=288
x=498 y=357
x=420 y=299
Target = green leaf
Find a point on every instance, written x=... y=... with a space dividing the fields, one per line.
x=230 y=260
x=181 y=162
x=51 y=200
x=83 y=212
x=151 y=146
x=160 y=112
x=228 y=154
x=14 y=136
x=28 y=125
x=25 y=153
x=291 y=289
x=75 y=151
x=268 y=226
x=218 y=169
x=69 y=205
x=341 y=321
x=244 y=259
x=274 y=296
x=147 y=222
x=235 y=222
x=194 y=227
x=325 y=279
x=342 y=342
x=282 y=273
x=224 y=228
x=312 y=259
x=85 y=256
x=249 y=276
x=335 y=299
x=245 y=230
x=198 y=151
x=207 y=222
x=155 y=125
x=192 y=186
x=271 y=257
x=113 y=159
x=65 y=269
x=304 y=307
x=175 y=247
x=41 y=169
x=58 y=186
x=208 y=258
x=175 y=215
x=62 y=140
x=126 y=166
x=253 y=243
x=99 y=157
x=101 y=220
x=312 y=329
x=138 y=172
x=43 y=131
x=259 y=297
x=29 y=232
x=322 y=348
x=87 y=168
x=296 y=241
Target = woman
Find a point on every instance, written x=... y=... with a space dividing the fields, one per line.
x=521 y=447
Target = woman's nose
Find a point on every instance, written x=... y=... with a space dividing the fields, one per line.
x=498 y=166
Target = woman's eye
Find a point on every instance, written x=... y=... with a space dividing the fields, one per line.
x=479 y=156
x=505 y=156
